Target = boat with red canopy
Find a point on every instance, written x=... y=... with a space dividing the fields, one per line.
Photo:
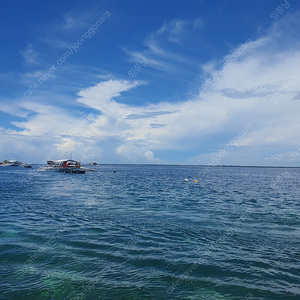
x=66 y=166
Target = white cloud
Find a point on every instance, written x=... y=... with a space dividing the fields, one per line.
x=30 y=55
x=198 y=23
x=32 y=77
x=74 y=21
x=79 y=20
x=177 y=28
x=242 y=94
x=55 y=43
x=155 y=54
x=13 y=109
x=67 y=145
x=93 y=96
x=289 y=156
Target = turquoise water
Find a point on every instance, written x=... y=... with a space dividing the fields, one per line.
x=145 y=233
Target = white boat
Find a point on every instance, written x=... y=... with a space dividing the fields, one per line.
x=14 y=163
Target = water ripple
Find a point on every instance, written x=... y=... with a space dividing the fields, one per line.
x=145 y=233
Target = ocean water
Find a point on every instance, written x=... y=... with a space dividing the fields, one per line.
x=143 y=232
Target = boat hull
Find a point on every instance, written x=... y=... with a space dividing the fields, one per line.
x=72 y=171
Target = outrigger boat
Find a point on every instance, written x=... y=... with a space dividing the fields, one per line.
x=13 y=163
x=92 y=163
x=66 y=166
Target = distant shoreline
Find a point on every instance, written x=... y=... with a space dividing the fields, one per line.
x=216 y=166
x=179 y=165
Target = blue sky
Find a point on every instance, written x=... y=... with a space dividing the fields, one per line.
x=214 y=82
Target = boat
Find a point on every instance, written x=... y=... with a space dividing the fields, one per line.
x=14 y=163
x=27 y=166
x=92 y=163
x=66 y=166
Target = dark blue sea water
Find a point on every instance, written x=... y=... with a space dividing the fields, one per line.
x=145 y=233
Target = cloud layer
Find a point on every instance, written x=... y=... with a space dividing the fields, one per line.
x=260 y=87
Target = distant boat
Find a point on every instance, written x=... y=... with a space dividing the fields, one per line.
x=92 y=163
x=27 y=166
x=66 y=166
x=14 y=163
